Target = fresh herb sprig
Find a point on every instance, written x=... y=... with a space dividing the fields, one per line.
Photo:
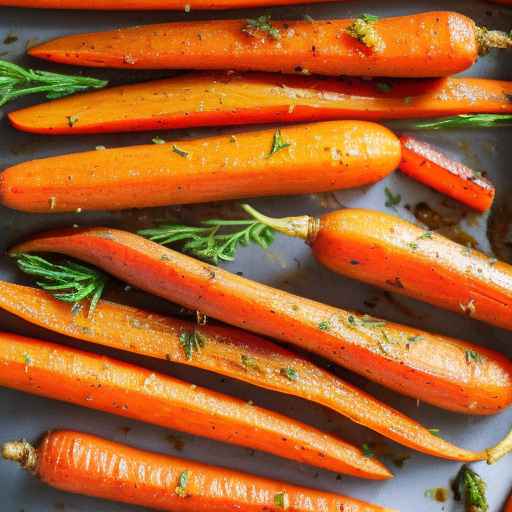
x=211 y=242
x=16 y=81
x=470 y=488
x=463 y=121
x=262 y=24
x=69 y=282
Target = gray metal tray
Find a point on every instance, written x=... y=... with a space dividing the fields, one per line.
x=288 y=265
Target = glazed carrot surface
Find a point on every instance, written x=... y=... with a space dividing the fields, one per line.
x=430 y=367
x=224 y=351
x=316 y=157
x=86 y=464
x=214 y=99
x=424 y=163
x=321 y=47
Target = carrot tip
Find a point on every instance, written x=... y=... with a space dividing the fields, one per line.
x=21 y=452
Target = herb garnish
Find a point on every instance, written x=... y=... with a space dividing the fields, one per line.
x=181 y=489
x=469 y=487
x=290 y=373
x=278 y=143
x=367 y=451
x=72 y=120
x=69 y=282
x=363 y=30
x=180 y=152
x=282 y=500
x=249 y=362
x=261 y=24
x=392 y=200
x=324 y=325
x=465 y=121
x=473 y=357
x=191 y=342
x=383 y=87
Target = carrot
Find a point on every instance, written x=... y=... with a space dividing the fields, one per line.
x=430 y=44
x=215 y=99
x=101 y=383
x=294 y=160
x=425 y=164
x=224 y=351
x=461 y=377
x=85 y=464
x=508 y=506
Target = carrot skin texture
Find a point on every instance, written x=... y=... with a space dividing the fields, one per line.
x=89 y=465
x=418 y=263
x=321 y=157
x=214 y=99
x=319 y=47
x=435 y=371
x=425 y=164
x=125 y=328
x=102 y=383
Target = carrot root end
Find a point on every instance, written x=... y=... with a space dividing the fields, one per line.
x=21 y=452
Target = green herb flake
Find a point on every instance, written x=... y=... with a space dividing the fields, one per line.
x=27 y=359
x=435 y=431
x=469 y=487
x=278 y=143
x=392 y=200
x=72 y=120
x=414 y=339
x=180 y=152
x=473 y=357
x=290 y=374
x=426 y=235
x=363 y=30
x=261 y=24
x=465 y=121
x=191 y=342
x=181 y=489
x=324 y=325
x=372 y=323
x=282 y=500
x=383 y=87
x=249 y=362
x=412 y=245
x=157 y=140
x=367 y=450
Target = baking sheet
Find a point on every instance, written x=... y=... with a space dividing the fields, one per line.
x=288 y=265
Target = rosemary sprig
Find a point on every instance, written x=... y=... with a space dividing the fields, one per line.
x=70 y=282
x=463 y=121
x=16 y=81
x=470 y=488
x=210 y=242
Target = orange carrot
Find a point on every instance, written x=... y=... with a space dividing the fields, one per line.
x=300 y=159
x=425 y=164
x=101 y=383
x=430 y=44
x=443 y=371
x=230 y=99
x=508 y=506
x=86 y=464
x=225 y=349
x=418 y=263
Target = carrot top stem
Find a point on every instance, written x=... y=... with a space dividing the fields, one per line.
x=489 y=39
x=504 y=447
x=21 y=452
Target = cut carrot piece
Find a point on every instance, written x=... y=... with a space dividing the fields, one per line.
x=85 y=464
x=224 y=351
x=102 y=383
x=300 y=159
x=231 y=99
x=429 y=367
x=430 y=44
x=425 y=164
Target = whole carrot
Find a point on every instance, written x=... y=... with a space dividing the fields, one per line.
x=223 y=350
x=443 y=371
x=300 y=159
x=101 y=383
x=430 y=44
x=86 y=464
x=198 y=99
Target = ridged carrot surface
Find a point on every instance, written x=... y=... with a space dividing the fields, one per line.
x=397 y=255
x=86 y=464
x=319 y=157
x=224 y=351
x=430 y=367
x=214 y=99
x=97 y=382
x=426 y=164
x=430 y=44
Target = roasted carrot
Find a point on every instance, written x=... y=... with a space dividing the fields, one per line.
x=508 y=506
x=426 y=164
x=430 y=44
x=102 y=383
x=196 y=99
x=85 y=464
x=443 y=371
x=300 y=159
x=227 y=351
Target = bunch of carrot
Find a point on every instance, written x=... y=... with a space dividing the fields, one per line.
x=323 y=156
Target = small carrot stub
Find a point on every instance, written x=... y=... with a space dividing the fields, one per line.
x=213 y=99
x=93 y=381
x=427 y=165
x=394 y=355
x=85 y=464
x=300 y=159
x=450 y=40
x=227 y=351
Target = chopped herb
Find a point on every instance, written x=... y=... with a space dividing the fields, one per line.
x=157 y=140
x=369 y=18
x=72 y=120
x=178 y=151
x=290 y=374
x=27 y=359
x=352 y=320
x=414 y=339
x=191 y=342
x=465 y=121
x=469 y=487
x=434 y=431
x=277 y=143
x=363 y=30
x=473 y=357
x=373 y=323
x=413 y=245
x=282 y=500
x=425 y=235
x=181 y=489
x=392 y=200
x=383 y=87
x=249 y=362
x=261 y=24
x=367 y=451
x=324 y=325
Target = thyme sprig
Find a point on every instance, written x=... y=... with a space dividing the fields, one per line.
x=16 y=81
x=69 y=282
